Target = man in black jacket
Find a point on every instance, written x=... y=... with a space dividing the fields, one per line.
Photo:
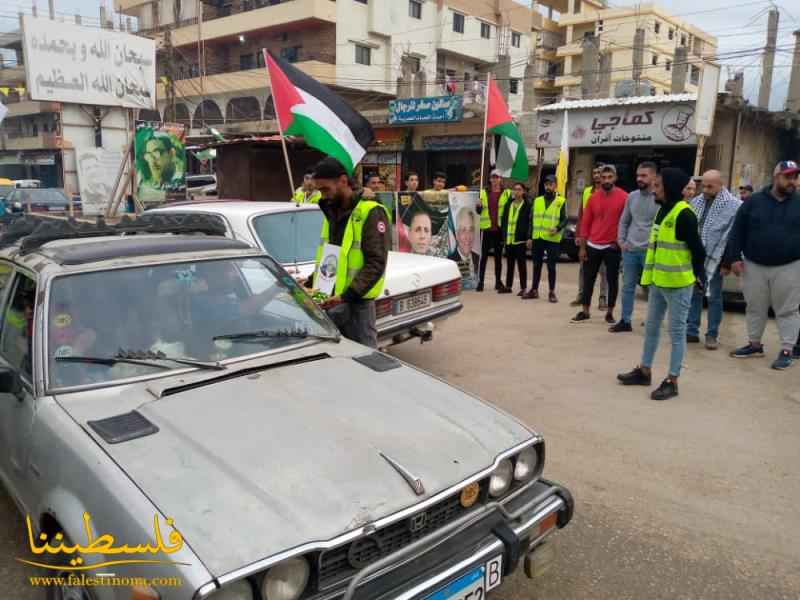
x=764 y=248
x=516 y=229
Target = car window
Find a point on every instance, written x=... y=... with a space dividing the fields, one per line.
x=16 y=337
x=177 y=309
x=47 y=196
x=290 y=237
x=6 y=190
x=200 y=181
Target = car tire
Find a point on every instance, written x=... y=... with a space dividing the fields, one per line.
x=53 y=592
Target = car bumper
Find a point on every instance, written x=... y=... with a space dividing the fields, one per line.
x=514 y=530
x=397 y=330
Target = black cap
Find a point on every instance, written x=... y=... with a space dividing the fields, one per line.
x=747 y=187
x=550 y=179
x=329 y=168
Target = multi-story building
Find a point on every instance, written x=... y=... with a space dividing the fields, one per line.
x=608 y=38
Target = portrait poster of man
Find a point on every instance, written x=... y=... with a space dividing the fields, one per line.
x=463 y=226
x=422 y=223
x=160 y=161
x=97 y=172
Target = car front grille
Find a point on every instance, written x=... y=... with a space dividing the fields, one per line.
x=344 y=561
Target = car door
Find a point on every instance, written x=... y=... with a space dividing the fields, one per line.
x=17 y=411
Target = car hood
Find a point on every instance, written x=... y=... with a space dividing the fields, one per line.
x=260 y=463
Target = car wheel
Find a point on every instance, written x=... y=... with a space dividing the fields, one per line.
x=66 y=591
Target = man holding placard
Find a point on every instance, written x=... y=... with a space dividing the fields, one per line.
x=352 y=254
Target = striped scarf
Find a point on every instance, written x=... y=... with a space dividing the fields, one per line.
x=716 y=226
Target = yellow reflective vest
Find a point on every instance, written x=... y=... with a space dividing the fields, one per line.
x=486 y=219
x=668 y=262
x=587 y=193
x=300 y=196
x=513 y=216
x=351 y=258
x=546 y=218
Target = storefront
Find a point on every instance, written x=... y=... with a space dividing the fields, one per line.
x=42 y=165
x=384 y=157
x=623 y=132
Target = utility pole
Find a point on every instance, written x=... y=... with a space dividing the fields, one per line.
x=51 y=4
x=169 y=77
x=680 y=67
x=793 y=99
x=638 y=59
x=589 y=65
x=769 y=59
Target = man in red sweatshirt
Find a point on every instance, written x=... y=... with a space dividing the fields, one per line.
x=598 y=235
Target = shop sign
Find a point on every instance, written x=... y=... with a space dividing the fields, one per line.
x=452 y=142
x=437 y=109
x=627 y=125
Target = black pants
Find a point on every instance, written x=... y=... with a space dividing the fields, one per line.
x=611 y=257
x=491 y=240
x=516 y=255
x=553 y=250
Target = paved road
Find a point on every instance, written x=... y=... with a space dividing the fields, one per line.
x=691 y=498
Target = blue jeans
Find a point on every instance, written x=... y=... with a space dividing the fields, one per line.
x=677 y=301
x=714 y=309
x=632 y=267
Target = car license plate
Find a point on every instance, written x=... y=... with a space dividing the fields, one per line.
x=473 y=585
x=415 y=302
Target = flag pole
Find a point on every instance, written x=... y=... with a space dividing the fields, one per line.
x=485 y=121
x=280 y=133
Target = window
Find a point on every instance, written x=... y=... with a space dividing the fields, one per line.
x=516 y=39
x=683 y=39
x=577 y=6
x=695 y=76
x=668 y=65
x=655 y=59
x=363 y=55
x=290 y=54
x=17 y=341
x=671 y=33
x=290 y=237
x=653 y=91
x=458 y=22
x=513 y=86
x=486 y=30
x=415 y=9
x=415 y=64
x=657 y=28
x=363 y=1
x=247 y=61
x=260 y=59
x=599 y=26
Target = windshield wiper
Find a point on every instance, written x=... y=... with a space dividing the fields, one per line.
x=264 y=334
x=143 y=358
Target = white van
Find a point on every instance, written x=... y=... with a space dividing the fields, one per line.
x=28 y=183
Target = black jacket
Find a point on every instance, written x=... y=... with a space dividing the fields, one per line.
x=766 y=230
x=524 y=222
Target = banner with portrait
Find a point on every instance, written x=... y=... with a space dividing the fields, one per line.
x=160 y=161
x=464 y=239
x=97 y=172
x=421 y=223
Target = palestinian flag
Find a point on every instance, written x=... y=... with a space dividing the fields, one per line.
x=307 y=108
x=512 y=159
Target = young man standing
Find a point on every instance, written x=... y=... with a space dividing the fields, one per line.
x=764 y=249
x=549 y=220
x=307 y=192
x=587 y=193
x=633 y=236
x=412 y=182
x=673 y=267
x=598 y=234
x=715 y=209
x=439 y=181
x=490 y=207
x=516 y=227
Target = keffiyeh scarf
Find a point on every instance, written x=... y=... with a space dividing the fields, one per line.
x=716 y=227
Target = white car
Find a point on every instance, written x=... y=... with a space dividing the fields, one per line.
x=201 y=185
x=419 y=290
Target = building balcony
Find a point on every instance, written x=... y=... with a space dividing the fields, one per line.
x=573 y=49
x=31 y=107
x=294 y=14
x=15 y=141
x=238 y=81
x=12 y=75
x=130 y=7
x=568 y=80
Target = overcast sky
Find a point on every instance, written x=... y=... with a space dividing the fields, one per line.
x=740 y=25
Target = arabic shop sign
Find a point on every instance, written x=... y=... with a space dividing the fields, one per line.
x=437 y=109
x=86 y=65
x=669 y=124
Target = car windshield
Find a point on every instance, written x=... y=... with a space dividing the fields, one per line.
x=159 y=313
x=42 y=196
x=5 y=190
x=290 y=237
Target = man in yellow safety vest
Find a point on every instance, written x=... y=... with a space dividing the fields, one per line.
x=354 y=247
x=549 y=220
x=491 y=206
x=674 y=265
x=306 y=193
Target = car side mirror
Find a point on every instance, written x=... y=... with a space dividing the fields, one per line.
x=10 y=382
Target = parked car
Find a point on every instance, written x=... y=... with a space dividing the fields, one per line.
x=27 y=183
x=568 y=246
x=175 y=408
x=419 y=291
x=201 y=185
x=41 y=200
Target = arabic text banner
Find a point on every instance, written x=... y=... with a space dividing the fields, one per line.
x=86 y=65
x=669 y=124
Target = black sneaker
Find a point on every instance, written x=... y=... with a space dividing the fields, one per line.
x=480 y=287
x=498 y=286
x=784 y=361
x=748 y=351
x=635 y=377
x=668 y=389
x=621 y=327
x=796 y=352
x=692 y=339
x=581 y=317
x=609 y=317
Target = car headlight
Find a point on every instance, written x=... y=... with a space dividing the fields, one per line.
x=526 y=465
x=501 y=478
x=238 y=590
x=287 y=580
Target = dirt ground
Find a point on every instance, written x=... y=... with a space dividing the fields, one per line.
x=691 y=498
